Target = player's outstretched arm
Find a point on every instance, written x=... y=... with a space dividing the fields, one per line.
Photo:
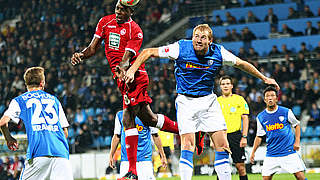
x=114 y=144
x=296 y=145
x=144 y=56
x=256 y=144
x=86 y=52
x=158 y=143
x=249 y=68
x=11 y=141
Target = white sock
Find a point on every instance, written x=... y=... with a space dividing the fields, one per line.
x=223 y=171
x=186 y=165
x=160 y=121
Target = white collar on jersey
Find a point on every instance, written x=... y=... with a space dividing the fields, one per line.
x=270 y=112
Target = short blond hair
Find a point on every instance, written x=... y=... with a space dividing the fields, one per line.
x=202 y=28
x=33 y=76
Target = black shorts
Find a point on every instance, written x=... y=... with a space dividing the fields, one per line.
x=238 y=154
x=167 y=151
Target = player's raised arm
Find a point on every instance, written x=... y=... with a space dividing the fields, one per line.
x=86 y=52
x=144 y=56
x=249 y=68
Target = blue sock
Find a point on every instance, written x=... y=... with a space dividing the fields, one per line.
x=222 y=165
x=186 y=165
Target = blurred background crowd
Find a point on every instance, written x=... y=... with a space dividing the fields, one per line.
x=47 y=32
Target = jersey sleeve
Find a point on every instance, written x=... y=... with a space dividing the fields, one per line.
x=154 y=130
x=227 y=57
x=292 y=119
x=170 y=51
x=13 y=111
x=260 y=130
x=99 y=30
x=117 y=126
x=135 y=41
x=245 y=107
x=62 y=117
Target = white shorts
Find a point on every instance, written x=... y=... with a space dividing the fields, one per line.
x=291 y=163
x=199 y=114
x=144 y=170
x=42 y=168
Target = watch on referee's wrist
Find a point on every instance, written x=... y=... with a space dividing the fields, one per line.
x=244 y=136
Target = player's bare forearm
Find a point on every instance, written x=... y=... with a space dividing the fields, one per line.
x=114 y=144
x=245 y=124
x=297 y=134
x=4 y=120
x=249 y=68
x=144 y=56
x=158 y=143
x=65 y=131
x=256 y=144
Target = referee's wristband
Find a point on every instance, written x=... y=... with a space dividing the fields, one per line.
x=244 y=136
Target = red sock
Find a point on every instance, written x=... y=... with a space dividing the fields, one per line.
x=131 y=147
x=170 y=126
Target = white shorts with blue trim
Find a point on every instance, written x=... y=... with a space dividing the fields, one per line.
x=199 y=114
x=144 y=170
x=42 y=168
x=292 y=163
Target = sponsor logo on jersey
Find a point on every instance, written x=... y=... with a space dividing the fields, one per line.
x=111 y=26
x=114 y=41
x=210 y=62
x=139 y=128
x=196 y=66
x=281 y=118
x=166 y=49
x=123 y=32
x=275 y=126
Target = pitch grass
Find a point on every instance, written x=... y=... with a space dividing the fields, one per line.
x=311 y=176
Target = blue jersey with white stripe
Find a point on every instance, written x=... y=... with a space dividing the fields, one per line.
x=280 y=137
x=40 y=115
x=195 y=74
x=144 y=149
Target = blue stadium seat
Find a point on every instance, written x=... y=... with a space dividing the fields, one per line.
x=308 y=132
x=233 y=46
x=296 y=109
x=108 y=140
x=261 y=30
x=298 y=25
x=281 y=10
x=315 y=139
x=263 y=47
x=317 y=131
x=305 y=140
x=314 y=5
x=194 y=21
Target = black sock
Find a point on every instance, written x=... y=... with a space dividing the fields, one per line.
x=243 y=177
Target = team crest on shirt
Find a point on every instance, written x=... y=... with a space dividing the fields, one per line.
x=140 y=36
x=123 y=32
x=210 y=62
x=281 y=118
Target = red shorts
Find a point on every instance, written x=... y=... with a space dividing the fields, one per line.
x=136 y=92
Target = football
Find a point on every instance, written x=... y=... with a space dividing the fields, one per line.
x=129 y=2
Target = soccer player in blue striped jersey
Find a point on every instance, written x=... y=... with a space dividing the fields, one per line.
x=197 y=62
x=46 y=128
x=282 y=145
x=144 y=149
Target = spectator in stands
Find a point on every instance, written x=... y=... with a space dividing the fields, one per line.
x=287 y=31
x=276 y=71
x=218 y=21
x=208 y=20
x=247 y=35
x=318 y=26
x=314 y=114
x=165 y=16
x=84 y=139
x=284 y=101
x=310 y=30
x=235 y=36
x=304 y=50
x=293 y=71
x=252 y=54
x=228 y=36
x=273 y=33
x=17 y=167
x=307 y=72
x=306 y=12
x=242 y=53
x=251 y=18
x=247 y=3
x=274 y=52
x=271 y=18
x=308 y=95
x=293 y=14
x=230 y=19
x=260 y=2
x=285 y=50
x=317 y=49
x=315 y=81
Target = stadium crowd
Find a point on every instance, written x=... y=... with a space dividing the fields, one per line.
x=50 y=31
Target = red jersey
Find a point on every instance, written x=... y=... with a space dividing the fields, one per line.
x=118 y=38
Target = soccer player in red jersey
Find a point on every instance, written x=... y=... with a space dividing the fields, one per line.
x=123 y=38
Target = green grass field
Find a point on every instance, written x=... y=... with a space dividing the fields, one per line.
x=313 y=176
